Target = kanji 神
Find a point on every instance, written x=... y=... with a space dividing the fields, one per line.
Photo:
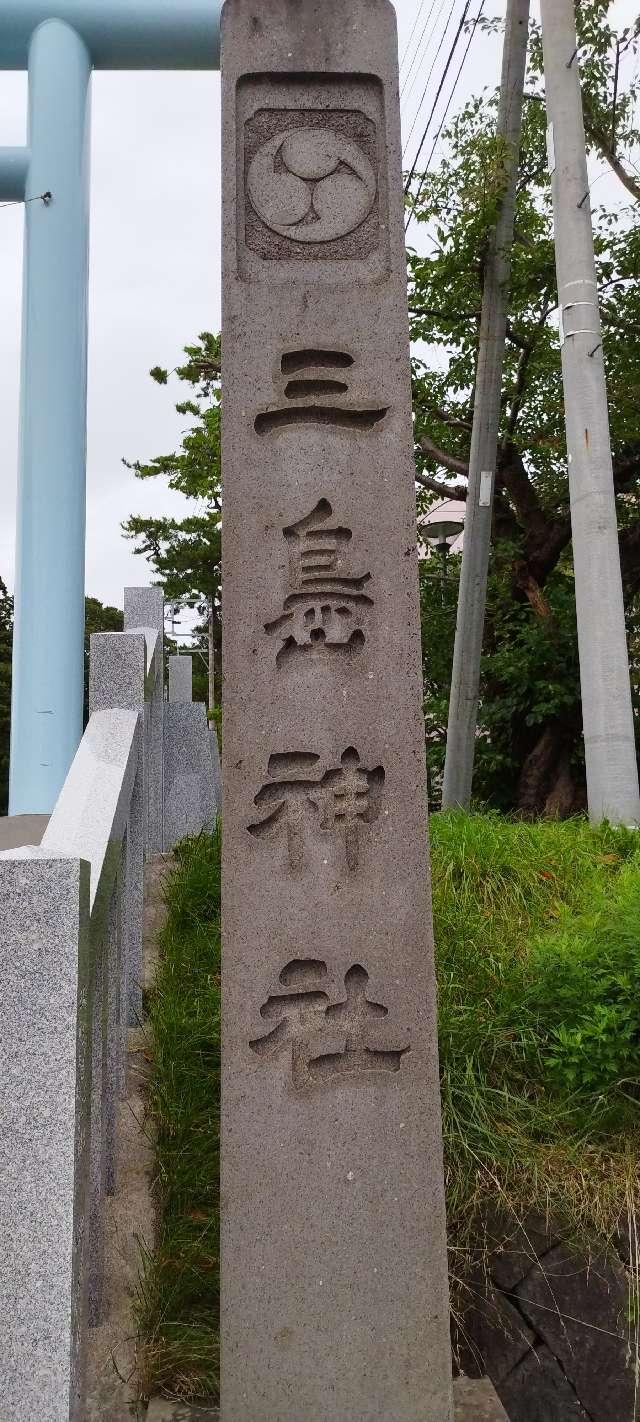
x=326 y=1041
x=341 y=798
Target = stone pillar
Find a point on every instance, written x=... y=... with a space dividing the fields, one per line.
x=334 y=1283
x=144 y=607
x=46 y=976
x=117 y=667
x=181 y=678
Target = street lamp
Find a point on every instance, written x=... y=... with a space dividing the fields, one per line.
x=441 y=535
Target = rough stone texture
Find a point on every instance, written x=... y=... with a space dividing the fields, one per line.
x=498 y=1330
x=550 y=1328
x=111 y=1365
x=579 y=1311
x=90 y=819
x=19 y=830
x=538 y=1391
x=216 y=768
x=189 y=799
x=111 y=1362
x=117 y=677
x=144 y=607
x=474 y=1400
x=181 y=678
x=45 y=1068
x=334 y=1284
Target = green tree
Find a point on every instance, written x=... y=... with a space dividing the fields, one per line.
x=529 y=745
x=97 y=619
x=185 y=553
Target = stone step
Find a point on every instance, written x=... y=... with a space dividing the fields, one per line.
x=475 y=1401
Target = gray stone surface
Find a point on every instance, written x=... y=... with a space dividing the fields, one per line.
x=334 y=1284
x=189 y=796
x=538 y=1391
x=19 y=830
x=112 y=1373
x=90 y=820
x=45 y=1068
x=474 y=1400
x=118 y=676
x=216 y=767
x=579 y=1308
x=499 y=1332
x=181 y=678
x=144 y=607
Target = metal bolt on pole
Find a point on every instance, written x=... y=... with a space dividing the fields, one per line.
x=612 y=771
x=465 y=680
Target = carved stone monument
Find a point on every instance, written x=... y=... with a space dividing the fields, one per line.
x=334 y=1284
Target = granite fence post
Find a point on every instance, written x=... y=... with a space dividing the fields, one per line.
x=334 y=1280
x=144 y=607
x=45 y=1068
x=189 y=803
x=117 y=674
x=116 y=1043
x=180 y=678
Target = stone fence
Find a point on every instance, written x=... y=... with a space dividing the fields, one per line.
x=145 y=774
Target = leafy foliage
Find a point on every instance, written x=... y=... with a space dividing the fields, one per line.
x=186 y=553
x=529 y=751
x=538 y=967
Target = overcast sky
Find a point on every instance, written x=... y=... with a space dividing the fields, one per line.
x=155 y=271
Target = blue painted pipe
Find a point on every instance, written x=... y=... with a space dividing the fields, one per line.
x=46 y=719
x=120 y=34
x=14 y=167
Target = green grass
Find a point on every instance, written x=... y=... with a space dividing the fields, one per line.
x=538 y=955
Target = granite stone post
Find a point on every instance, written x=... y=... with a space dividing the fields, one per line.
x=189 y=804
x=180 y=678
x=117 y=678
x=45 y=1069
x=144 y=607
x=334 y=1282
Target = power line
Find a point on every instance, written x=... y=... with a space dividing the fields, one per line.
x=418 y=47
x=448 y=106
x=415 y=26
x=22 y=202
x=428 y=77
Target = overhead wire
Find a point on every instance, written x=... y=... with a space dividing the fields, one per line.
x=410 y=39
x=418 y=48
x=447 y=107
x=433 y=65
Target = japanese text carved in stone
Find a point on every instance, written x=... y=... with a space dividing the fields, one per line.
x=328 y=1042
x=302 y=797
x=325 y=609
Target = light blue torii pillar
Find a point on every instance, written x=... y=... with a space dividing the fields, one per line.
x=60 y=42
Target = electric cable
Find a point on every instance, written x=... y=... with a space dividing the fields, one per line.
x=448 y=105
x=418 y=47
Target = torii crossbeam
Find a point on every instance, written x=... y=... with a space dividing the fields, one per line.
x=60 y=42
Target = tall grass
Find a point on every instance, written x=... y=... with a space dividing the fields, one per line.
x=538 y=954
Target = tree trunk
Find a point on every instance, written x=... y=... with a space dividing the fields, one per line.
x=547 y=785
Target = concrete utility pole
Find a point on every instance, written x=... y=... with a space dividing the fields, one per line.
x=465 y=680
x=612 y=771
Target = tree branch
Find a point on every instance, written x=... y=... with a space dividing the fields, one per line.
x=448 y=461
x=447 y=491
x=606 y=150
